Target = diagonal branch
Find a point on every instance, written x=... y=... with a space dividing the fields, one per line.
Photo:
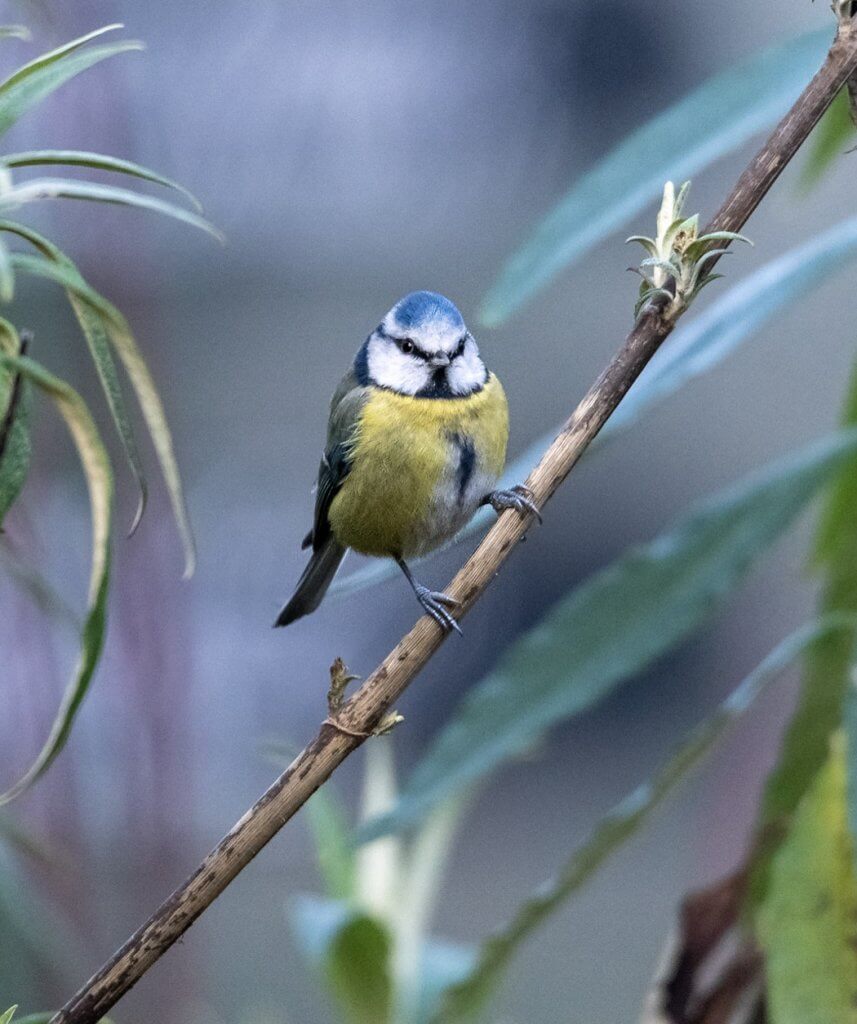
x=359 y=715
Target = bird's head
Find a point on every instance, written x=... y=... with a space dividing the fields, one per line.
x=422 y=348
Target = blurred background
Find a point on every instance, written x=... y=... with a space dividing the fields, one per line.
x=353 y=153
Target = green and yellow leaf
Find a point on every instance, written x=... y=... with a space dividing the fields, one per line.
x=808 y=922
x=99 y=482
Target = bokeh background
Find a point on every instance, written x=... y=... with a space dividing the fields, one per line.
x=351 y=153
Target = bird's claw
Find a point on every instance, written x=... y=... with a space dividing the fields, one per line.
x=519 y=498
x=437 y=605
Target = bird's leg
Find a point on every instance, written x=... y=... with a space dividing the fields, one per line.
x=519 y=497
x=434 y=603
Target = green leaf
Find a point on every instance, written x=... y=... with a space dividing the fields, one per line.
x=834 y=134
x=353 y=951
x=66 y=188
x=14 y=427
x=358 y=970
x=715 y=119
x=317 y=923
x=826 y=673
x=33 y=82
x=614 y=625
x=8 y=1015
x=63 y=275
x=99 y=481
x=465 y=1000
x=98 y=161
x=135 y=365
x=92 y=326
x=808 y=923
x=694 y=348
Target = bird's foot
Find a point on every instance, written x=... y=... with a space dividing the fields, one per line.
x=519 y=498
x=437 y=605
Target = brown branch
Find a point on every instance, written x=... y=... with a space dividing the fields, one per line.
x=364 y=710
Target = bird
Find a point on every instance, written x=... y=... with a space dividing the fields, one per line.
x=416 y=442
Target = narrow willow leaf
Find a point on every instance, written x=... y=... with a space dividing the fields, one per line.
x=14 y=426
x=465 y=1000
x=98 y=161
x=99 y=482
x=712 y=121
x=695 y=348
x=808 y=922
x=614 y=625
x=8 y=1015
x=67 y=188
x=826 y=674
x=92 y=327
x=33 y=82
x=53 y=56
x=830 y=140
x=135 y=365
x=159 y=431
x=66 y=277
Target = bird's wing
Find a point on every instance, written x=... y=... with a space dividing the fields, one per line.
x=345 y=409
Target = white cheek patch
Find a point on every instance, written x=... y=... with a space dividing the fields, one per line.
x=466 y=373
x=391 y=368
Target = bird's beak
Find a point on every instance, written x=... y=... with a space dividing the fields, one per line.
x=439 y=360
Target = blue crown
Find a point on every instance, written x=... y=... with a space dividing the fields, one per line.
x=418 y=308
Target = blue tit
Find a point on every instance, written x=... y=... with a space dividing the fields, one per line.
x=416 y=442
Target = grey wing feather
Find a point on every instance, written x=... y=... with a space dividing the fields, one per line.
x=345 y=408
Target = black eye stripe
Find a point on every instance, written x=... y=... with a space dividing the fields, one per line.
x=411 y=348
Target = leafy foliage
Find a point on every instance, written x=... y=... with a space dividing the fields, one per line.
x=716 y=118
x=620 y=621
x=808 y=923
x=826 y=674
x=14 y=429
x=466 y=999
x=105 y=331
x=96 y=467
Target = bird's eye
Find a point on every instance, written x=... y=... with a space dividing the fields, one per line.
x=406 y=345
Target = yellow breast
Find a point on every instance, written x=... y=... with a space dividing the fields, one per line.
x=409 y=490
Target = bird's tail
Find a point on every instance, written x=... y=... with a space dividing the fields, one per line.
x=313 y=584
